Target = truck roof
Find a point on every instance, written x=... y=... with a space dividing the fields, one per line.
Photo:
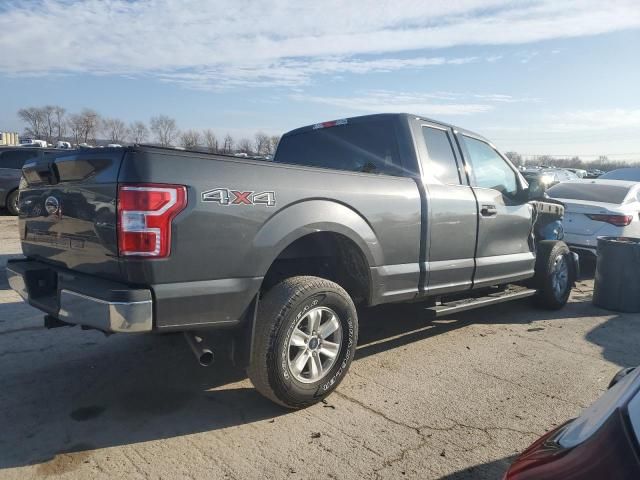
x=394 y=116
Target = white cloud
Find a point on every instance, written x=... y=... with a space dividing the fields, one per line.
x=247 y=42
x=587 y=133
x=297 y=72
x=430 y=104
x=596 y=120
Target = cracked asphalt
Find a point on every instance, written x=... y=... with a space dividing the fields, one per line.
x=448 y=399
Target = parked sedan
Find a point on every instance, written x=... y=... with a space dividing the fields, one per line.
x=549 y=176
x=595 y=208
x=601 y=443
x=631 y=174
x=578 y=171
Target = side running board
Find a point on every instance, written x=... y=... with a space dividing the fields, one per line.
x=470 y=303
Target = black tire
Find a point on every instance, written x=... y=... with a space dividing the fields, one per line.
x=551 y=294
x=279 y=312
x=12 y=203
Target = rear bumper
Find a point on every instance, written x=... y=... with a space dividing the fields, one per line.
x=81 y=299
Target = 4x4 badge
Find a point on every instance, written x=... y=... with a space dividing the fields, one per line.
x=226 y=196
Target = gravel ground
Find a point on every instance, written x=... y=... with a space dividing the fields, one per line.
x=447 y=399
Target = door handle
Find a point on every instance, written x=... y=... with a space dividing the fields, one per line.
x=489 y=210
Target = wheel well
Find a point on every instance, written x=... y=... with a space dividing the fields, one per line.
x=327 y=255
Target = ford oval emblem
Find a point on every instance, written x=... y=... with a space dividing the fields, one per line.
x=52 y=205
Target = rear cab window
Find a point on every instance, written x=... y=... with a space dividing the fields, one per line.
x=367 y=147
x=440 y=164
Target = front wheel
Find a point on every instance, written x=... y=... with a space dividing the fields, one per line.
x=554 y=274
x=304 y=341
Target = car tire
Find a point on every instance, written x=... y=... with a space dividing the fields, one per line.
x=554 y=275
x=12 y=202
x=301 y=322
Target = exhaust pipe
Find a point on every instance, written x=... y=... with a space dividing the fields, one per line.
x=203 y=354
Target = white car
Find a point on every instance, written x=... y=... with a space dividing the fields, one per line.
x=630 y=173
x=597 y=208
x=34 y=143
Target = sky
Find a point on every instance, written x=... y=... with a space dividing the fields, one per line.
x=534 y=76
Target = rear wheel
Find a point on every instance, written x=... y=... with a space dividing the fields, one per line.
x=304 y=341
x=12 y=203
x=554 y=274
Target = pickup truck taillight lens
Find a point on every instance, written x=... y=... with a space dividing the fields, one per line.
x=145 y=212
x=617 y=220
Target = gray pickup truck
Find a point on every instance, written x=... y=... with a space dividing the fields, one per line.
x=273 y=256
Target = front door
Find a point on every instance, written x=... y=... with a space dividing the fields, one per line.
x=503 y=252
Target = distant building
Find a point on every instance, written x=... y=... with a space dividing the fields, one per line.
x=9 y=139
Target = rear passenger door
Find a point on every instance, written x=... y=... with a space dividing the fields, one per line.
x=451 y=211
x=505 y=219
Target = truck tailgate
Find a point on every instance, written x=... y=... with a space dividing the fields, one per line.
x=68 y=210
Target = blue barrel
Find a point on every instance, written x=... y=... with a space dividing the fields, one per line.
x=617 y=283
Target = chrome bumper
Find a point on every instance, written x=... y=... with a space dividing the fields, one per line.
x=78 y=308
x=94 y=312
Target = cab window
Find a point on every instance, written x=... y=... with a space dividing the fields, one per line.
x=368 y=147
x=441 y=162
x=489 y=169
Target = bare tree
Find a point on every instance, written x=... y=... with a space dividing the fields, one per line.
x=165 y=129
x=49 y=122
x=115 y=130
x=210 y=140
x=515 y=158
x=228 y=143
x=75 y=124
x=274 y=140
x=244 y=145
x=190 y=139
x=261 y=143
x=34 y=118
x=138 y=132
x=60 y=123
x=90 y=125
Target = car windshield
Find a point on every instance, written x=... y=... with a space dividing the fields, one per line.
x=591 y=192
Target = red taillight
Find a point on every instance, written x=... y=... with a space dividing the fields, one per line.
x=145 y=212
x=617 y=220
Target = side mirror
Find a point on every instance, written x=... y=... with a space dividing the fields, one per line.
x=536 y=190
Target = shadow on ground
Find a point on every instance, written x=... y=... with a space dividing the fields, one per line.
x=618 y=338
x=490 y=470
x=71 y=391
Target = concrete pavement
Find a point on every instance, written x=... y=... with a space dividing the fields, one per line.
x=448 y=399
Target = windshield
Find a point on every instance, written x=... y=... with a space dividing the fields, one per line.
x=590 y=192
